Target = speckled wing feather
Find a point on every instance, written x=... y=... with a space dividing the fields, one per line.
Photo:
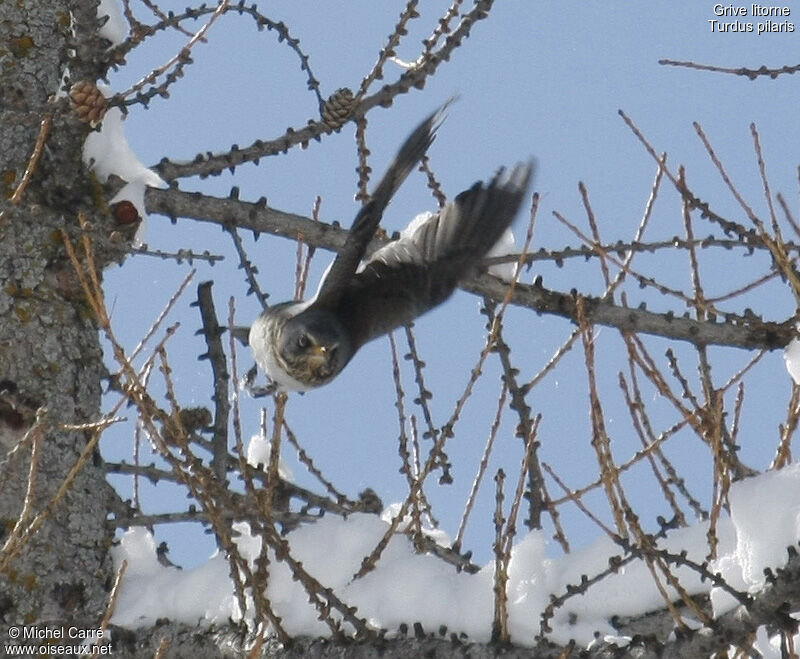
x=367 y=220
x=420 y=270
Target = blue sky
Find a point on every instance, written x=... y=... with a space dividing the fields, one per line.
x=541 y=79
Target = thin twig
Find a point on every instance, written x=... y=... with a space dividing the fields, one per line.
x=741 y=71
x=112 y=598
x=388 y=51
x=44 y=131
x=500 y=621
x=246 y=264
x=484 y=463
x=18 y=536
x=363 y=170
x=181 y=57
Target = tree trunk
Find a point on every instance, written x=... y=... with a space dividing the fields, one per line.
x=50 y=356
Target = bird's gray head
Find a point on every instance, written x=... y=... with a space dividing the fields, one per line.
x=313 y=347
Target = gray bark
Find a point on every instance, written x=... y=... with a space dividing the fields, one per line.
x=50 y=356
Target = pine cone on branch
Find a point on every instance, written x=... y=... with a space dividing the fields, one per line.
x=88 y=101
x=337 y=108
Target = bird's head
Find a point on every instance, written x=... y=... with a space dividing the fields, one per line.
x=313 y=347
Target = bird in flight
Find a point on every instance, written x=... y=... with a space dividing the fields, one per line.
x=303 y=345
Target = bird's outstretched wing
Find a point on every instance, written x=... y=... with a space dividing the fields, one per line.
x=420 y=270
x=367 y=220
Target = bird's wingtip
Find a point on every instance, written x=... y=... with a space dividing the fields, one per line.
x=523 y=173
x=440 y=114
x=518 y=177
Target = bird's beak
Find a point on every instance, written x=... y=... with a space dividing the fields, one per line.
x=323 y=354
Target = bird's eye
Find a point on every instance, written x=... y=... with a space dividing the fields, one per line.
x=302 y=341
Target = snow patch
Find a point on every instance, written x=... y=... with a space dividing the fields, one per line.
x=258 y=450
x=506 y=245
x=107 y=152
x=791 y=353
x=151 y=591
x=439 y=536
x=407 y=587
x=115 y=28
x=765 y=512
